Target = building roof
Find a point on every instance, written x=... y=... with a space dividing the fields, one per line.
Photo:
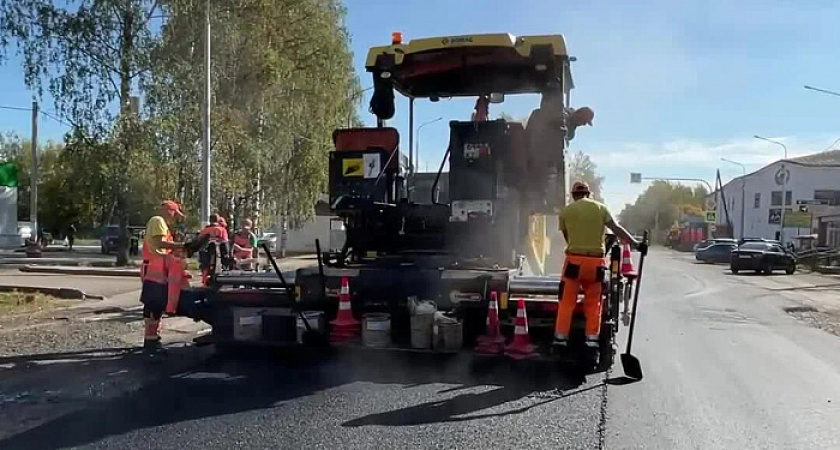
x=830 y=158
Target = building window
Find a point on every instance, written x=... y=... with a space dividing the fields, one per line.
x=776 y=198
x=757 y=203
x=827 y=197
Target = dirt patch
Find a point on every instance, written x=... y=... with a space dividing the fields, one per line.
x=828 y=321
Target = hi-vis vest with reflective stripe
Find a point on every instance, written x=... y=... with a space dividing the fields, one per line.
x=244 y=242
x=155 y=267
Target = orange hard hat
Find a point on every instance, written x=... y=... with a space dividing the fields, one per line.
x=170 y=205
x=584 y=115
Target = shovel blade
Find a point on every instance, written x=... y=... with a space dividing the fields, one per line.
x=632 y=366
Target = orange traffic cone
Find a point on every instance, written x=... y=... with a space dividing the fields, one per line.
x=345 y=327
x=493 y=342
x=627 y=269
x=520 y=347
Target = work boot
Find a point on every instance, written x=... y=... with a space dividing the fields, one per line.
x=153 y=347
x=560 y=341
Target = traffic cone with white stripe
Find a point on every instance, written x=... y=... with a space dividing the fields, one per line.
x=627 y=269
x=345 y=327
x=491 y=343
x=520 y=347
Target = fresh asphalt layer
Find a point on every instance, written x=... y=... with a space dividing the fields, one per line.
x=725 y=367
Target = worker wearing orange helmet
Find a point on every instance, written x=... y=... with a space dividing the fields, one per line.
x=244 y=244
x=219 y=235
x=583 y=224
x=158 y=249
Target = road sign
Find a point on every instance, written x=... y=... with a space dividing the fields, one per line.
x=635 y=178
x=797 y=219
x=711 y=216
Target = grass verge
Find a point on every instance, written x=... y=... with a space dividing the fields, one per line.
x=19 y=302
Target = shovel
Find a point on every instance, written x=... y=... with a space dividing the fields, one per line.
x=310 y=336
x=632 y=366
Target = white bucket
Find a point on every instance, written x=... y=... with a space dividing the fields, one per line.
x=376 y=330
x=315 y=319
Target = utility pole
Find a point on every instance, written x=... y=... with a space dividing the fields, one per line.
x=33 y=177
x=205 y=113
x=743 y=195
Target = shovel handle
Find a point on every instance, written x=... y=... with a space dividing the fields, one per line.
x=636 y=293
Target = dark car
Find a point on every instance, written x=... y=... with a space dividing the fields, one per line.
x=715 y=253
x=753 y=239
x=108 y=241
x=762 y=257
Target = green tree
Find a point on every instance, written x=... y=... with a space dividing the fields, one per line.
x=581 y=168
x=275 y=103
x=661 y=205
x=89 y=55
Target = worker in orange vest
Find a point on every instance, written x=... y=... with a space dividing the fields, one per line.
x=583 y=224
x=219 y=235
x=245 y=245
x=158 y=251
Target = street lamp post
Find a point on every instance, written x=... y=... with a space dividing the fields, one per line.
x=824 y=91
x=784 y=186
x=205 y=123
x=743 y=196
x=417 y=145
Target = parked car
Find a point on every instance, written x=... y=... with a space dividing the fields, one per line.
x=763 y=257
x=716 y=253
x=25 y=232
x=109 y=237
x=270 y=239
x=708 y=242
x=754 y=239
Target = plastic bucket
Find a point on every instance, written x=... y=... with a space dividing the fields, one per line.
x=448 y=337
x=316 y=321
x=421 y=330
x=376 y=330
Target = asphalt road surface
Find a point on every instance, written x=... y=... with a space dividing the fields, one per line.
x=725 y=367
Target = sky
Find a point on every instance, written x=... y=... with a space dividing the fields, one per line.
x=675 y=86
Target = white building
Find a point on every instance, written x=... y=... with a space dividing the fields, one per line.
x=813 y=180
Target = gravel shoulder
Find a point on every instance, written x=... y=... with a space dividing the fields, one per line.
x=60 y=356
x=64 y=355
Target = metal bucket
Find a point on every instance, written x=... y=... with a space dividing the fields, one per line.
x=448 y=337
x=316 y=321
x=376 y=330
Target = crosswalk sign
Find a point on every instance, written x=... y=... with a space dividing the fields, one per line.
x=711 y=216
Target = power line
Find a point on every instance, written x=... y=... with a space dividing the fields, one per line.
x=18 y=108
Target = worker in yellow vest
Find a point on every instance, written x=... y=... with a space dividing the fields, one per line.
x=158 y=251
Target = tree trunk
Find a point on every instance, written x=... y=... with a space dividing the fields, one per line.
x=125 y=111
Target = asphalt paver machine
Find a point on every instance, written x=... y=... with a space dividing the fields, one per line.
x=494 y=234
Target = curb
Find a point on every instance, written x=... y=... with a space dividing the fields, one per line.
x=81 y=271
x=63 y=293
